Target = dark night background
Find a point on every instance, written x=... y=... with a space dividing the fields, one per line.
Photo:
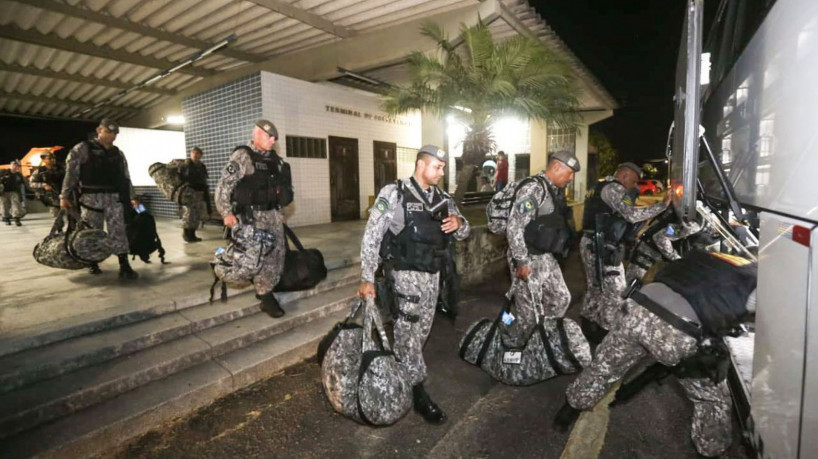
x=631 y=46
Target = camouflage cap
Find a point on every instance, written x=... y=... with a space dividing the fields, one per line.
x=435 y=151
x=268 y=127
x=631 y=166
x=110 y=125
x=566 y=157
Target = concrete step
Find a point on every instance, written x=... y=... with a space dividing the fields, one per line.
x=33 y=365
x=107 y=319
x=97 y=429
x=38 y=403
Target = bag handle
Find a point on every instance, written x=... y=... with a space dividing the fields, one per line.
x=514 y=290
x=372 y=319
x=289 y=235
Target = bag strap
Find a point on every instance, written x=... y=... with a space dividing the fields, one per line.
x=59 y=222
x=549 y=351
x=566 y=345
x=216 y=281
x=290 y=235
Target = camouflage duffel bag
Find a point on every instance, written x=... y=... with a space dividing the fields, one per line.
x=360 y=375
x=74 y=248
x=239 y=263
x=171 y=185
x=555 y=346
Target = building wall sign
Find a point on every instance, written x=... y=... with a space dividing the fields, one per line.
x=368 y=116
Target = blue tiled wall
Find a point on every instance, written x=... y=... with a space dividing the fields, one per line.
x=219 y=119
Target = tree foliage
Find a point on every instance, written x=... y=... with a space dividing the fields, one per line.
x=480 y=80
x=649 y=170
x=608 y=157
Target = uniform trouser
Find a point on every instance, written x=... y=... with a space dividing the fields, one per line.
x=11 y=205
x=603 y=306
x=639 y=334
x=410 y=334
x=546 y=291
x=641 y=261
x=192 y=214
x=271 y=221
x=98 y=209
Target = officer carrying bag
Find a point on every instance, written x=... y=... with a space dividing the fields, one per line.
x=75 y=248
x=499 y=208
x=556 y=346
x=360 y=375
x=170 y=183
x=239 y=263
x=303 y=268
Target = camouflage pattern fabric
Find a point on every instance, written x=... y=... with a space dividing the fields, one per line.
x=11 y=205
x=53 y=252
x=663 y=242
x=545 y=289
x=90 y=245
x=641 y=334
x=244 y=258
x=271 y=221
x=98 y=209
x=170 y=183
x=379 y=394
x=414 y=322
x=535 y=362
x=192 y=213
x=604 y=306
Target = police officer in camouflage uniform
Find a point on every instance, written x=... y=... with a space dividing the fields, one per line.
x=406 y=225
x=609 y=202
x=678 y=321
x=97 y=177
x=656 y=244
x=46 y=182
x=194 y=173
x=13 y=194
x=540 y=228
x=253 y=188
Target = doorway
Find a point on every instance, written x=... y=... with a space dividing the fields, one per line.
x=386 y=164
x=343 y=179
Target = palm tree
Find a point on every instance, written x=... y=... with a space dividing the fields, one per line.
x=480 y=80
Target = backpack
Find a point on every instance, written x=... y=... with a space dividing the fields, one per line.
x=143 y=239
x=499 y=208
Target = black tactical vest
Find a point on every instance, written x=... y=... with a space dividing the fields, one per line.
x=12 y=181
x=268 y=188
x=195 y=175
x=715 y=286
x=550 y=233
x=616 y=226
x=53 y=176
x=422 y=244
x=103 y=172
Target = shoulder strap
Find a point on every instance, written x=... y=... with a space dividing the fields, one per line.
x=290 y=235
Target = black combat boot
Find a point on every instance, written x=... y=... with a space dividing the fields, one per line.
x=426 y=407
x=565 y=417
x=93 y=268
x=193 y=236
x=17 y=222
x=186 y=235
x=8 y=221
x=125 y=270
x=269 y=305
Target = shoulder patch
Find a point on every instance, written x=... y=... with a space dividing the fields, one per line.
x=232 y=168
x=381 y=205
x=527 y=205
x=627 y=200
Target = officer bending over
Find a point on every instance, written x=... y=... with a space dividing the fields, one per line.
x=97 y=172
x=407 y=225
x=254 y=186
x=680 y=320
x=608 y=211
x=540 y=228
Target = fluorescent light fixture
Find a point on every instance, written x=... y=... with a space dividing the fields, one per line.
x=175 y=119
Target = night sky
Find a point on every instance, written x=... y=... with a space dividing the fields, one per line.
x=631 y=46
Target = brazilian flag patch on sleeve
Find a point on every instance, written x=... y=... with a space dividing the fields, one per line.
x=381 y=205
x=527 y=206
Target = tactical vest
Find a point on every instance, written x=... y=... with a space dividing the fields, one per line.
x=12 y=181
x=196 y=175
x=268 y=187
x=421 y=245
x=103 y=172
x=552 y=232
x=615 y=227
x=716 y=286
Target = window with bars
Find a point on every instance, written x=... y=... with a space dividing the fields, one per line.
x=306 y=147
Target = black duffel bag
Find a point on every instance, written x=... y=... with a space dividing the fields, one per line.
x=303 y=268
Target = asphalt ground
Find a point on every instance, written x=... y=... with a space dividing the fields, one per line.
x=288 y=415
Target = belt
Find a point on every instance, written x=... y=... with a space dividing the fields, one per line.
x=683 y=325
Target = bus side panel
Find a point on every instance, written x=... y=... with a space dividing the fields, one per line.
x=778 y=361
x=809 y=427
